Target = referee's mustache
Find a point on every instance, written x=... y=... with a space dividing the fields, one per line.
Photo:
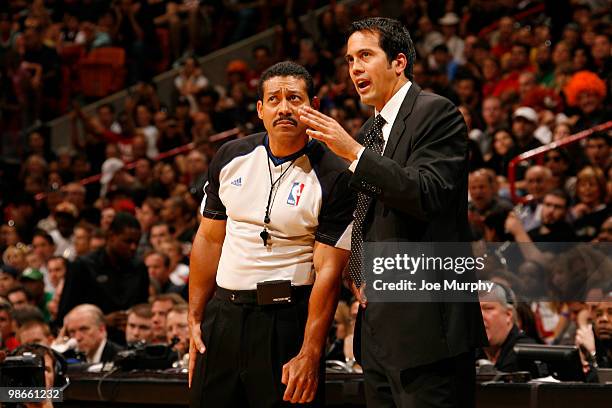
x=285 y=118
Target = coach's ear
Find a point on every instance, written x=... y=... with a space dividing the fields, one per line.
x=315 y=103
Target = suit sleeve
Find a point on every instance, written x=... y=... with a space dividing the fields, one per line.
x=429 y=180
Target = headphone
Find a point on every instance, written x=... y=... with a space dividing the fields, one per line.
x=60 y=367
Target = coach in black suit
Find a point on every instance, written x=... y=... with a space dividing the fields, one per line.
x=413 y=354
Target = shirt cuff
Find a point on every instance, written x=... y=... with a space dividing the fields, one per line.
x=353 y=165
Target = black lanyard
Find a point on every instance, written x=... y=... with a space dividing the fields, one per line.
x=264 y=234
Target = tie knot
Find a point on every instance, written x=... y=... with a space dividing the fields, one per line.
x=379 y=122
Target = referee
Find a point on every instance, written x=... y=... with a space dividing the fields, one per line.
x=267 y=258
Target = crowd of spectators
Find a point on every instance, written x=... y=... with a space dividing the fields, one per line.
x=48 y=48
x=520 y=83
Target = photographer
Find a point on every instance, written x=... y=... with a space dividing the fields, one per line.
x=53 y=369
x=8 y=341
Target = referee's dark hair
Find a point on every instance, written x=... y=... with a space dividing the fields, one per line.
x=286 y=69
x=123 y=221
x=393 y=38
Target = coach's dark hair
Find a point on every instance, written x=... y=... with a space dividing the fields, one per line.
x=394 y=38
x=122 y=221
x=286 y=69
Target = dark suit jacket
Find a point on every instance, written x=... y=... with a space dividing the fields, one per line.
x=419 y=190
x=110 y=351
x=507 y=360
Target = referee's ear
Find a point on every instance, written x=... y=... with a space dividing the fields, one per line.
x=315 y=102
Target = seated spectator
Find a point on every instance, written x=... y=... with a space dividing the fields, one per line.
x=602 y=327
x=474 y=155
x=160 y=306
x=591 y=210
x=484 y=200
x=160 y=232
x=15 y=257
x=158 y=266
x=19 y=297
x=97 y=240
x=559 y=163
x=33 y=282
x=43 y=246
x=66 y=216
x=35 y=332
x=537 y=181
x=605 y=232
x=27 y=313
x=524 y=124
x=8 y=340
x=82 y=238
x=554 y=227
x=197 y=167
x=177 y=212
x=139 y=326
x=503 y=334
x=179 y=271
x=594 y=340
x=597 y=150
x=8 y=279
x=148 y=215
x=85 y=323
x=56 y=269
x=190 y=80
x=178 y=327
x=449 y=24
x=502 y=152
x=493 y=117
x=572 y=316
x=110 y=278
x=526 y=322
x=586 y=91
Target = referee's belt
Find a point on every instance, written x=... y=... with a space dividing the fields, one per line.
x=249 y=297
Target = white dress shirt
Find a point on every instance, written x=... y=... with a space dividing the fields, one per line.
x=389 y=113
x=97 y=357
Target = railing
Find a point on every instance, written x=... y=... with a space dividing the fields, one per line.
x=539 y=8
x=213 y=66
x=162 y=156
x=537 y=152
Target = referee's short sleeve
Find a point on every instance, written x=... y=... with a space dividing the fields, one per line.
x=336 y=216
x=212 y=206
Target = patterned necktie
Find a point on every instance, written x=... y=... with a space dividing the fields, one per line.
x=374 y=140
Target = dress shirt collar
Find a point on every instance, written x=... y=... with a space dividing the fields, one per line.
x=97 y=357
x=391 y=109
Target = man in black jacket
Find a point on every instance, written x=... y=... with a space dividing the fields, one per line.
x=110 y=277
x=498 y=311
x=410 y=166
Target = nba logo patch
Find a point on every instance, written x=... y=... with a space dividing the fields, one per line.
x=295 y=193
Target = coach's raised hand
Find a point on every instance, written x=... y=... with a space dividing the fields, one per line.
x=330 y=132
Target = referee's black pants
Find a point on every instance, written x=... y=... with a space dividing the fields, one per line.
x=246 y=348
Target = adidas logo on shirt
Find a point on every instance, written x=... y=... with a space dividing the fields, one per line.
x=237 y=182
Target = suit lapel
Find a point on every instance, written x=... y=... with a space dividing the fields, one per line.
x=399 y=125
